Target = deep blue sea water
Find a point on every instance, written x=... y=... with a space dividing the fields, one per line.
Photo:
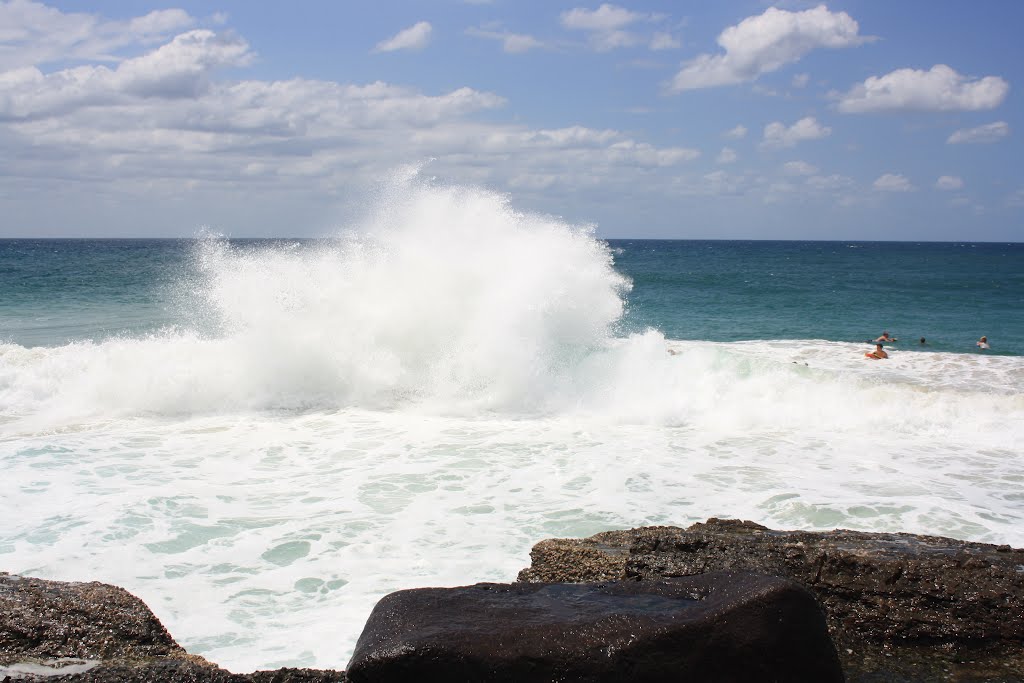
x=54 y=291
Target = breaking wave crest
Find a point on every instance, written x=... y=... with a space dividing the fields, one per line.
x=447 y=300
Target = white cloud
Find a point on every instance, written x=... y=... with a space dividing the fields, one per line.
x=511 y=43
x=178 y=69
x=949 y=182
x=647 y=155
x=569 y=137
x=33 y=34
x=801 y=80
x=158 y=23
x=181 y=66
x=988 y=133
x=606 y=26
x=799 y=168
x=892 y=182
x=166 y=123
x=604 y=18
x=515 y=43
x=938 y=89
x=726 y=156
x=737 y=133
x=664 y=41
x=415 y=37
x=776 y=134
x=765 y=43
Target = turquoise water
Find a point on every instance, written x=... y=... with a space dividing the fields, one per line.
x=55 y=291
x=949 y=293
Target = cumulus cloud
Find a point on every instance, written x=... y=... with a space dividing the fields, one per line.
x=938 y=89
x=33 y=34
x=801 y=80
x=179 y=69
x=167 y=119
x=604 y=18
x=514 y=43
x=776 y=134
x=949 y=182
x=511 y=43
x=158 y=23
x=988 y=133
x=606 y=26
x=178 y=123
x=415 y=37
x=737 y=133
x=892 y=182
x=765 y=43
x=726 y=156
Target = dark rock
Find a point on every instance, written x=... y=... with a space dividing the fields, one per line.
x=900 y=607
x=187 y=671
x=724 y=626
x=56 y=619
x=97 y=633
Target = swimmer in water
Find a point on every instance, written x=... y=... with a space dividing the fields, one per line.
x=884 y=338
x=878 y=354
x=983 y=343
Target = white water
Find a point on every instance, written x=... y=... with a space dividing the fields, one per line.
x=420 y=403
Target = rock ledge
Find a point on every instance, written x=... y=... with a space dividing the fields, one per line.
x=900 y=607
x=95 y=633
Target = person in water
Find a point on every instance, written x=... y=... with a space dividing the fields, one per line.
x=923 y=342
x=983 y=343
x=884 y=338
x=878 y=354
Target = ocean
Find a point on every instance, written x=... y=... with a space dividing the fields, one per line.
x=260 y=438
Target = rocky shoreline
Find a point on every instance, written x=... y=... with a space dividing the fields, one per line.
x=898 y=607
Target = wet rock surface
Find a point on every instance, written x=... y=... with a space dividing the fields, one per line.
x=900 y=607
x=94 y=632
x=723 y=626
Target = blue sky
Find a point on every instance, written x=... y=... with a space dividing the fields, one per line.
x=733 y=120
